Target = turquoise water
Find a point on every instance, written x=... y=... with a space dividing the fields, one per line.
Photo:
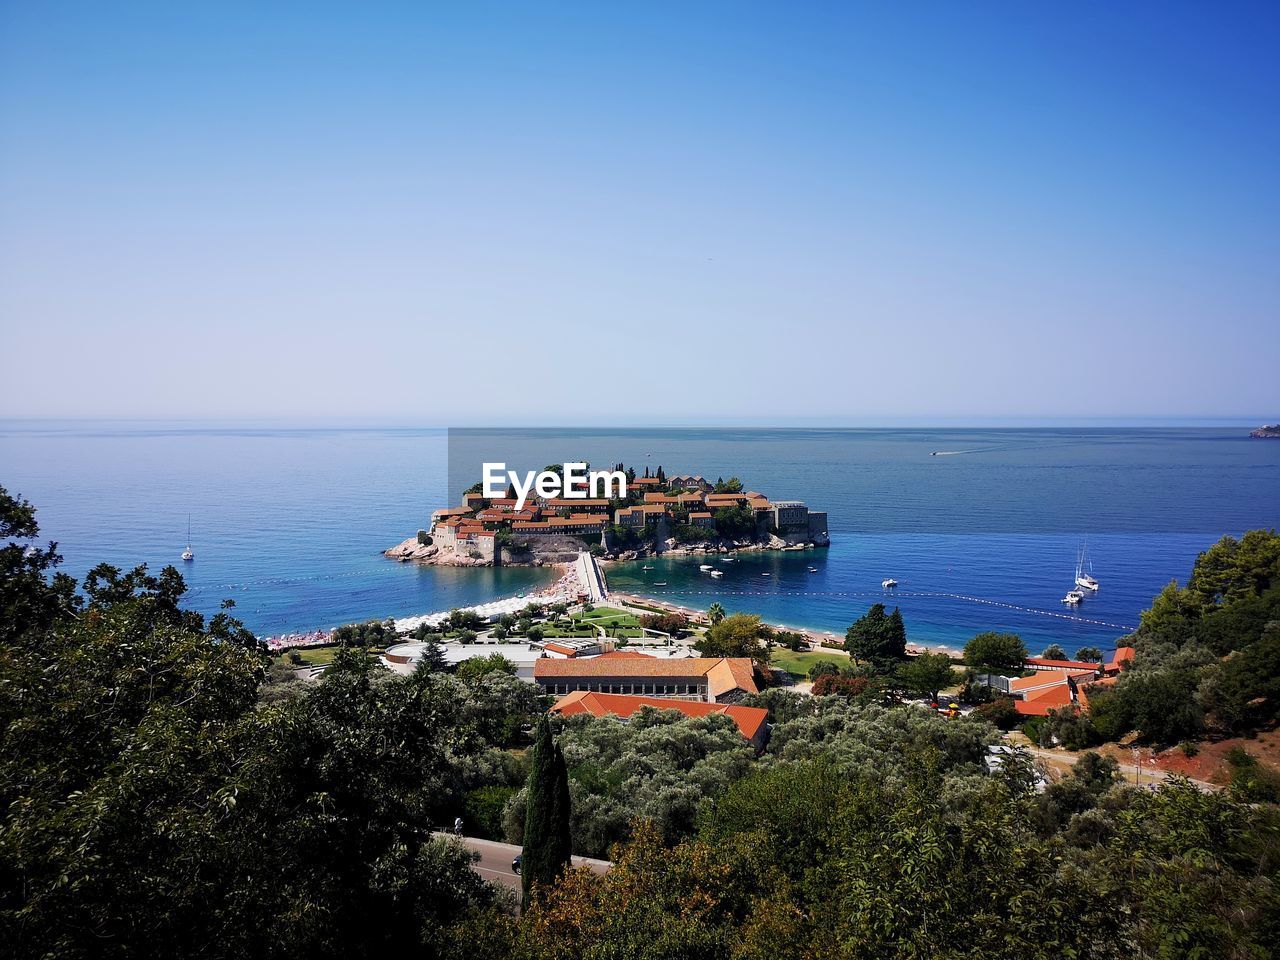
x=949 y=586
x=290 y=522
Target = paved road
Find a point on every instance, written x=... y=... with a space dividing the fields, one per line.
x=495 y=861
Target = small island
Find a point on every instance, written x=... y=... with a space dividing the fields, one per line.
x=660 y=514
x=1270 y=431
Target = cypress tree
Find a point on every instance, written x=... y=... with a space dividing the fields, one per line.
x=547 y=845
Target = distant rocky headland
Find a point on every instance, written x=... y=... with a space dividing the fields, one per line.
x=658 y=515
x=1271 y=432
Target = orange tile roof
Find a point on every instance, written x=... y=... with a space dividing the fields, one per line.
x=645 y=481
x=722 y=673
x=575 y=502
x=560 y=648
x=660 y=498
x=748 y=719
x=576 y=521
x=1122 y=656
x=699 y=515
x=1045 y=678
x=625 y=655
x=1039 y=704
x=452 y=512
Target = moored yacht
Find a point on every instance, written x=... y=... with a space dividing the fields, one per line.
x=1084 y=579
x=888 y=583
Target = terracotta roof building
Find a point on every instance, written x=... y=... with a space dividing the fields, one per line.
x=709 y=679
x=1047 y=690
x=752 y=721
x=1120 y=660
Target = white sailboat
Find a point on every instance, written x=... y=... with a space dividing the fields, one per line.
x=188 y=554
x=1084 y=579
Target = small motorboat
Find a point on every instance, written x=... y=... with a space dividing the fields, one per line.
x=704 y=567
x=766 y=574
x=728 y=559
x=660 y=583
x=888 y=583
x=717 y=573
x=1073 y=597
x=646 y=567
x=813 y=569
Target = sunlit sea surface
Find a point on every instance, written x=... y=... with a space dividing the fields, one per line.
x=290 y=522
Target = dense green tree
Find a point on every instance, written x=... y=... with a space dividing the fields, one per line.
x=1245 y=693
x=926 y=674
x=995 y=652
x=823 y=668
x=877 y=638
x=738 y=635
x=1089 y=655
x=432 y=659
x=154 y=806
x=735 y=523
x=1054 y=652
x=473 y=668
x=374 y=633
x=547 y=845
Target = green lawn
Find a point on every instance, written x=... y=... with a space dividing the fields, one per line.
x=607 y=617
x=798 y=663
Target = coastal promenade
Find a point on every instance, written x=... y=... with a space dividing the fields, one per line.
x=592 y=577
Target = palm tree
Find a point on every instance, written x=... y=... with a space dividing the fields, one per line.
x=715 y=613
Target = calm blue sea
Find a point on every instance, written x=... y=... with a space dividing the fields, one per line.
x=290 y=521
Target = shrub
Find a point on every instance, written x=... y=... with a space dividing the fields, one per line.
x=1250 y=781
x=1000 y=712
x=832 y=684
x=483 y=808
x=1036 y=729
x=823 y=668
x=423 y=539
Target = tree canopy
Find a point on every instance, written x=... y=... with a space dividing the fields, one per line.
x=995 y=651
x=877 y=638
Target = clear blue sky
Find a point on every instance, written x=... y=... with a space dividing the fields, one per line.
x=483 y=213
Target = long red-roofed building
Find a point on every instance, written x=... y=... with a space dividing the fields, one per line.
x=710 y=679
